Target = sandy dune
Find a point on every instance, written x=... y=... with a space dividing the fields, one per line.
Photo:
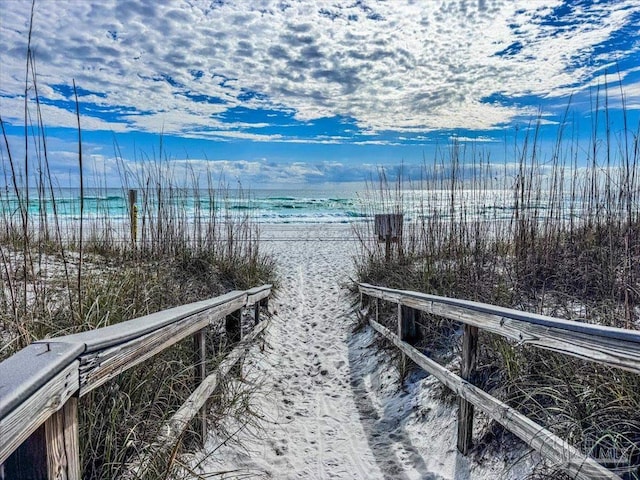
x=331 y=407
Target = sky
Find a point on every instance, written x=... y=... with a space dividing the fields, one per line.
x=311 y=92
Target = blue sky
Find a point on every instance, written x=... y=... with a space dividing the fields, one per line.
x=311 y=92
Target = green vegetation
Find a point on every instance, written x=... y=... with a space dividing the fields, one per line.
x=544 y=235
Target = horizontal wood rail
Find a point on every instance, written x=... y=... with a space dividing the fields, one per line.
x=605 y=345
x=176 y=425
x=40 y=384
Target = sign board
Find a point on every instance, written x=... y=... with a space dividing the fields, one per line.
x=388 y=226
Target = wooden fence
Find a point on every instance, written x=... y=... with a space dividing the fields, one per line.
x=40 y=385
x=605 y=345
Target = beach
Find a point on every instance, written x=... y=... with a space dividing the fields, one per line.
x=329 y=400
x=320 y=240
x=319 y=394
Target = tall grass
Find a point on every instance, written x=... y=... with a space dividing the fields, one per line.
x=62 y=274
x=556 y=233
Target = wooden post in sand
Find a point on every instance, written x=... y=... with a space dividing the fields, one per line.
x=467 y=372
x=407 y=330
x=233 y=326
x=256 y=313
x=29 y=460
x=233 y=329
x=199 y=374
x=261 y=304
x=133 y=214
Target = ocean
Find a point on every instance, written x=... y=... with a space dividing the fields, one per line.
x=262 y=206
x=270 y=206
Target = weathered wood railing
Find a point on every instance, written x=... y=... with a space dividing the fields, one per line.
x=40 y=385
x=609 y=346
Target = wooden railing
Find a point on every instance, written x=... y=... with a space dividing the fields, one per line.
x=40 y=385
x=605 y=345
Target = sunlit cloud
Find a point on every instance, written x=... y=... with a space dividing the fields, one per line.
x=359 y=74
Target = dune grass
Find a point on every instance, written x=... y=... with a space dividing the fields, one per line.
x=545 y=235
x=61 y=274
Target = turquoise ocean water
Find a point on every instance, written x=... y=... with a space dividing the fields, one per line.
x=262 y=206
x=282 y=206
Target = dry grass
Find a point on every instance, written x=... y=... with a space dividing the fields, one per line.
x=547 y=237
x=60 y=275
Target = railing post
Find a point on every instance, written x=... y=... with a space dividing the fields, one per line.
x=199 y=374
x=407 y=331
x=264 y=303
x=233 y=326
x=63 y=447
x=256 y=313
x=467 y=372
x=51 y=452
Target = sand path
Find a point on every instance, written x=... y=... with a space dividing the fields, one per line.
x=319 y=434
x=329 y=400
x=318 y=420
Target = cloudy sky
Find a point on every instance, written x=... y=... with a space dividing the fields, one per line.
x=311 y=91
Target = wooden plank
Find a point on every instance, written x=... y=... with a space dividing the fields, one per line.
x=257 y=294
x=99 y=367
x=467 y=372
x=22 y=421
x=115 y=335
x=408 y=298
x=604 y=350
x=62 y=446
x=610 y=346
x=176 y=425
x=549 y=445
x=22 y=374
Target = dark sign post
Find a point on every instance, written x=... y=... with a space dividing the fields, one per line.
x=133 y=214
x=388 y=228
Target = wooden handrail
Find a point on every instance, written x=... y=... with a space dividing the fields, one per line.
x=119 y=333
x=175 y=426
x=606 y=345
x=39 y=380
x=612 y=346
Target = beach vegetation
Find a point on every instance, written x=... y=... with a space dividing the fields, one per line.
x=554 y=232
x=64 y=273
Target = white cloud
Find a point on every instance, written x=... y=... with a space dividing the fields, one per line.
x=248 y=172
x=478 y=139
x=401 y=65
